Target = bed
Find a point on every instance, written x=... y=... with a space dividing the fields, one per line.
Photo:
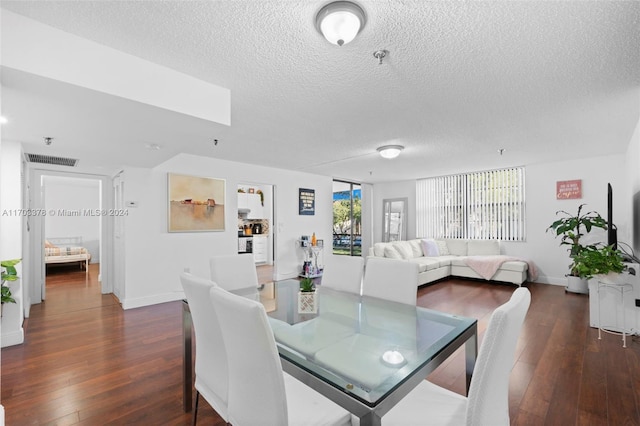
x=66 y=250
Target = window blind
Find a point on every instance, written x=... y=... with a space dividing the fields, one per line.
x=478 y=206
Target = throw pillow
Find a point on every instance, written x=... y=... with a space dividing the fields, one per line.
x=430 y=248
x=416 y=246
x=391 y=252
x=378 y=249
x=443 y=249
x=404 y=248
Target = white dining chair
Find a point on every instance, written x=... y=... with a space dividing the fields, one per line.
x=391 y=279
x=259 y=392
x=236 y=273
x=211 y=359
x=343 y=273
x=488 y=400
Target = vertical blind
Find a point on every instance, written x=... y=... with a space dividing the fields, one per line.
x=477 y=206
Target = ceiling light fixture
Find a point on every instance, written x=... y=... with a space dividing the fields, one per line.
x=340 y=22
x=390 y=151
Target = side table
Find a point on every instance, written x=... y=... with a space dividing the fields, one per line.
x=621 y=288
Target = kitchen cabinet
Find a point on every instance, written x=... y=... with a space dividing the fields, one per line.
x=253 y=203
x=260 y=249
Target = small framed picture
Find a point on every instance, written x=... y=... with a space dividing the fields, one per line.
x=251 y=190
x=320 y=243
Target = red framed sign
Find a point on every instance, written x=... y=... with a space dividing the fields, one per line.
x=569 y=189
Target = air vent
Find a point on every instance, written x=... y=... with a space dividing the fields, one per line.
x=49 y=159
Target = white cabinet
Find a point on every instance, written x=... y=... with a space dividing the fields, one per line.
x=260 y=249
x=253 y=203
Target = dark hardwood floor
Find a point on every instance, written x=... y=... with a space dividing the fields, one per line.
x=86 y=361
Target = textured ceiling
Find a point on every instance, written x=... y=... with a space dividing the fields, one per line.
x=543 y=80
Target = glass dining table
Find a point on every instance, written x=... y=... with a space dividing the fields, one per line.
x=363 y=353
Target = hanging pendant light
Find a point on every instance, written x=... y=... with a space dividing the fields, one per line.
x=340 y=22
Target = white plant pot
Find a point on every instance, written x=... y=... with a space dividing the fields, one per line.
x=577 y=285
x=307 y=302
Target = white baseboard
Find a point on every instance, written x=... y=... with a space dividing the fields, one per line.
x=151 y=300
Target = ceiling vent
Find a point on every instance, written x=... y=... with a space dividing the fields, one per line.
x=49 y=159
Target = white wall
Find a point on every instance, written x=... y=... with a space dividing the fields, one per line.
x=541 y=247
x=156 y=257
x=73 y=195
x=11 y=239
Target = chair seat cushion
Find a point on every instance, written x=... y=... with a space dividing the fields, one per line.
x=428 y=404
x=307 y=407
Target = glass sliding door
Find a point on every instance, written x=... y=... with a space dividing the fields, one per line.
x=347 y=218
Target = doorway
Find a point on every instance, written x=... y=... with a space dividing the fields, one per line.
x=73 y=206
x=256 y=230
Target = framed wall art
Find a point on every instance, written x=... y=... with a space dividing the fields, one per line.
x=569 y=189
x=306 y=201
x=196 y=204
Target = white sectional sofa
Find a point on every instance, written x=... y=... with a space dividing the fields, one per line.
x=452 y=257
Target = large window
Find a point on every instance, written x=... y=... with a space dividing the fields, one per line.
x=347 y=214
x=481 y=205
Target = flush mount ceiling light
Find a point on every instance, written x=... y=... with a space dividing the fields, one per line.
x=340 y=22
x=390 y=151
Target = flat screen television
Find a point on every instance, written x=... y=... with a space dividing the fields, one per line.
x=612 y=232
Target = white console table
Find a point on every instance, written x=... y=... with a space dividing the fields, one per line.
x=612 y=307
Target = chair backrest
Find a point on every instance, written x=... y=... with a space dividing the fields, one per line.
x=236 y=273
x=391 y=279
x=343 y=273
x=488 y=402
x=211 y=357
x=256 y=384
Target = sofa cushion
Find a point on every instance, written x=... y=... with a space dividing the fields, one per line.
x=391 y=252
x=457 y=247
x=458 y=261
x=426 y=263
x=416 y=246
x=447 y=260
x=514 y=265
x=483 y=248
x=430 y=248
x=404 y=248
x=443 y=250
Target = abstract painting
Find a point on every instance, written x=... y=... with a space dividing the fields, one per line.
x=196 y=204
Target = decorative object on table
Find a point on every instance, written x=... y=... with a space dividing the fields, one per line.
x=314 y=240
x=569 y=189
x=572 y=228
x=261 y=194
x=307 y=302
x=304 y=241
x=196 y=204
x=306 y=201
x=601 y=261
x=9 y=273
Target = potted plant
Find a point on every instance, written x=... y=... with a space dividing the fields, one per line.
x=307 y=303
x=9 y=273
x=603 y=262
x=572 y=228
